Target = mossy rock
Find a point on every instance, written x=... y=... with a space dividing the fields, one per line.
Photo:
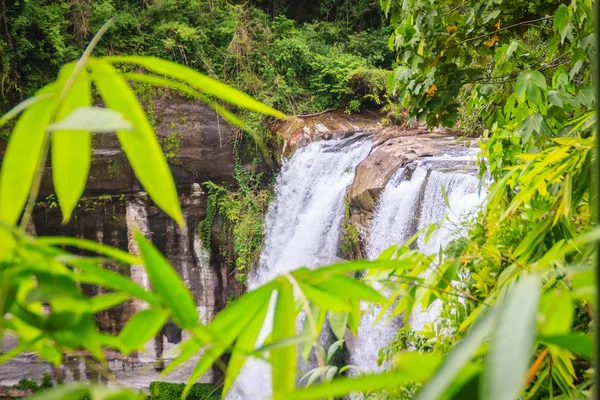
x=173 y=391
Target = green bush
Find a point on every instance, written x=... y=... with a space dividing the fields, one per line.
x=173 y=391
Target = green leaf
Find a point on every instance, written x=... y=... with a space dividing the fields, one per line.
x=93 y=119
x=528 y=86
x=167 y=284
x=354 y=316
x=555 y=98
x=159 y=81
x=283 y=360
x=337 y=323
x=512 y=343
x=557 y=309
x=23 y=155
x=562 y=23
x=586 y=96
x=201 y=82
x=333 y=348
x=576 y=342
x=71 y=149
x=140 y=328
x=142 y=147
x=324 y=299
x=92 y=274
x=457 y=358
x=531 y=124
x=105 y=301
x=560 y=79
x=412 y=368
x=24 y=105
x=67 y=392
x=244 y=346
x=350 y=287
x=83 y=244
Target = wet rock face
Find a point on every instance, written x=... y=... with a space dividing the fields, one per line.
x=196 y=140
x=373 y=173
x=113 y=221
x=198 y=147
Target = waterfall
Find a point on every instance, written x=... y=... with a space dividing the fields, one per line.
x=302 y=228
x=413 y=199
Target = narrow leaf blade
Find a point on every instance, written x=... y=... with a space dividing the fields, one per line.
x=142 y=147
x=167 y=284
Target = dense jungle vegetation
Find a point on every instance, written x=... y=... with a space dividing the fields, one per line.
x=517 y=291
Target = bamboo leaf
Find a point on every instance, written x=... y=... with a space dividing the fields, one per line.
x=71 y=149
x=167 y=284
x=142 y=147
x=338 y=322
x=140 y=328
x=325 y=299
x=106 y=301
x=66 y=392
x=354 y=316
x=457 y=358
x=283 y=360
x=92 y=274
x=512 y=342
x=159 y=81
x=350 y=287
x=576 y=342
x=414 y=368
x=23 y=155
x=208 y=359
x=244 y=346
x=22 y=106
x=201 y=82
x=83 y=244
x=93 y=119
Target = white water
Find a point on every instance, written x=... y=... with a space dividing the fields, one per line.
x=405 y=206
x=302 y=228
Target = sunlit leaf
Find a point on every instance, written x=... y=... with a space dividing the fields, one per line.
x=140 y=328
x=350 y=287
x=167 y=284
x=415 y=368
x=337 y=323
x=23 y=155
x=141 y=147
x=94 y=119
x=108 y=251
x=105 y=301
x=71 y=149
x=576 y=342
x=325 y=299
x=159 y=81
x=243 y=346
x=283 y=360
x=201 y=82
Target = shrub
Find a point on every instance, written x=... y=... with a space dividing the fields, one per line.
x=173 y=391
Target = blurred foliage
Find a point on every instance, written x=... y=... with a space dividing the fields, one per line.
x=173 y=391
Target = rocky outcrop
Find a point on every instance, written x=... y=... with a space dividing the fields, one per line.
x=301 y=130
x=373 y=173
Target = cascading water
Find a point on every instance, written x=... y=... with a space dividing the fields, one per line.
x=408 y=203
x=302 y=228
